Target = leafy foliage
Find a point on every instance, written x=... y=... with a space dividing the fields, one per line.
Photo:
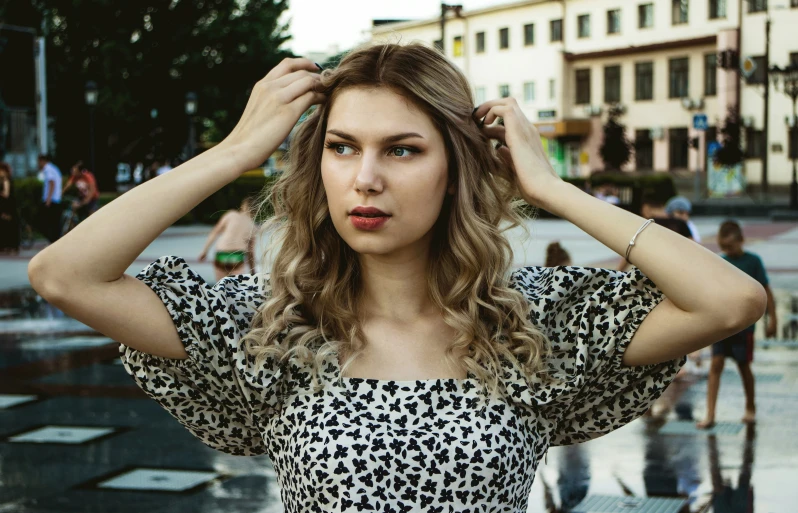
x=730 y=152
x=145 y=55
x=616 y=149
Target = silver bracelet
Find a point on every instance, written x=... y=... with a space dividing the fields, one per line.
x=632 y=242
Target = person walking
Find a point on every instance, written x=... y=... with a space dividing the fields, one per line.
x=88 y=194
x=234 y=231
x=9 y=216
x=740 y=345
x=390 y=357
x=50 y=214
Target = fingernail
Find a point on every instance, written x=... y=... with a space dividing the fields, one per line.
x=481 y=123
x=318 y=66
x=498 y=145
x=474 y=111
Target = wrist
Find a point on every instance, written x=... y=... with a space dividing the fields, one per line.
x=550 y=195
x=236 y=155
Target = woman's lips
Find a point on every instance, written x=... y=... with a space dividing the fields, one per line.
x=368 y=223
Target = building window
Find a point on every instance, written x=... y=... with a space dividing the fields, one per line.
x=457 y=46
x=644 y=150
x=504 y=38
x=480 y=42
x=710 y=74
x=529 y=34
x=555 y=30
x=794 y=55
x=644 y=81
x=679 y=73
x=757 y=5
x=504 y=90
x=479 y=94
x=679 y=11
x=582 y=86
x=612 y=84
x=717 y=9
x=645 y=16
x=583 y=22
x=614 y=21
x=678 y=145
x=754 y=143
x=759 y=76
x=529 y=92
x=552 y=89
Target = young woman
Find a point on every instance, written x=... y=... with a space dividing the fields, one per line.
x=390 y=360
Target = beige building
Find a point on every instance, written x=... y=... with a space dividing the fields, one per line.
x=567 y=61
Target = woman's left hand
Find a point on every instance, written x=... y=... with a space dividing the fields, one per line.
x=521 y=147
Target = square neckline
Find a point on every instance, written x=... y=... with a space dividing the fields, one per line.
x=337 y=374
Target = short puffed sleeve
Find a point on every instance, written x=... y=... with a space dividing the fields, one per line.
x=590 y=316
x=217 y=392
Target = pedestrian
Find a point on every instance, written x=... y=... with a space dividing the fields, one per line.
x=9 y=216
x=88 y=194
x=234 y=231
x=679 y=207
x=389 y=357
x=162 y=167
x=740 y=345
x=50 y=213
x=556 y=255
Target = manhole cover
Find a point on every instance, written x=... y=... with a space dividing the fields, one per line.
x=685 y=427
x=612 y=504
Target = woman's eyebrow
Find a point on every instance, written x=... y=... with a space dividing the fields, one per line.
x=388 y=139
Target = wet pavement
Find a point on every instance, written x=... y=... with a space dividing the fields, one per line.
x=77 y=436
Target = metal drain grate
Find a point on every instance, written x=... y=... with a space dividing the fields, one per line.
x=611 y=504
x=685 y=427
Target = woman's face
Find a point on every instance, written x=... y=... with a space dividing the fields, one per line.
x=381 y=151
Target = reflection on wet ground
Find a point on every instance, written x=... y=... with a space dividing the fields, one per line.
x=77 y=436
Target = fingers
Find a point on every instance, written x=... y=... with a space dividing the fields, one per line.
x=296 y=85
x=287 y=66
x=309 y=98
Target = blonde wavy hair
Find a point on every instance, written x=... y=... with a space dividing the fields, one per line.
x=315 y=279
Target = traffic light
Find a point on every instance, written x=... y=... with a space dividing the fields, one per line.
x=693 y=142
x=728 y=59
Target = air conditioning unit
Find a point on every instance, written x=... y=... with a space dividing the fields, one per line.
x=656 y=134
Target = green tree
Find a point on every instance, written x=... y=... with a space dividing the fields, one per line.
x=730 y=152
x=616 y=150
x=145 y=55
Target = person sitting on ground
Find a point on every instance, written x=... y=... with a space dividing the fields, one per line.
x=88 y=194
x=557 y=256
x=235 y=231
x=739 y=346
x=679 y=207
x=390 y=344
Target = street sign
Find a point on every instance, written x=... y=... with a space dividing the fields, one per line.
x=748 y=67
x=700 y=122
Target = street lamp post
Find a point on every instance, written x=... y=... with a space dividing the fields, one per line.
x=191 y=109
x=786 y=79
x=91 y=101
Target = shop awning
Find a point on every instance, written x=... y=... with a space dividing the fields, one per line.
x=566 y=127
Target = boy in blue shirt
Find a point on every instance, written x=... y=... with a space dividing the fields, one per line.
x=739 y=346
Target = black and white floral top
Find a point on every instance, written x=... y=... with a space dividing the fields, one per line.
x=398 y=446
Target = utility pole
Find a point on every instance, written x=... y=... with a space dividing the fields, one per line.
x=766 y=150
x=457 y=9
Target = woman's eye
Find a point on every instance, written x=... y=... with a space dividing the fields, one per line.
x=401 y=152
x=342 y=149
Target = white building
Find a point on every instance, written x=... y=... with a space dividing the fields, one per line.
x=567 y=60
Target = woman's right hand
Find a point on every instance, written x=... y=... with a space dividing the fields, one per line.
x=274 y=107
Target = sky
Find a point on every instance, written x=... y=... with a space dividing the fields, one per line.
x=315 y=25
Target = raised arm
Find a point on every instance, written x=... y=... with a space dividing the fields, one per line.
x=707 y=298
x=83 y=273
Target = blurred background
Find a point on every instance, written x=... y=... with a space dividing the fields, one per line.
x=686 y=108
